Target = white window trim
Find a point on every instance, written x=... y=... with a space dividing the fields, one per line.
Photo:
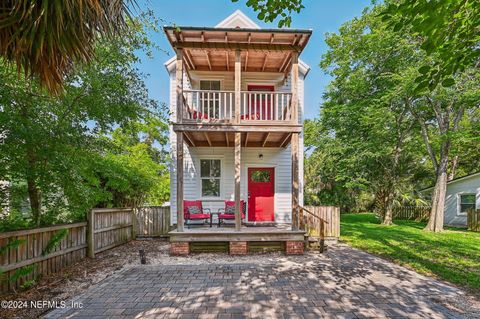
x=222 y=177
x=204 y=79
x=459 y=198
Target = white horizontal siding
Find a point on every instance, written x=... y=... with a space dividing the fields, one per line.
x=227 y=79
x=279 y=158
x=469 y=185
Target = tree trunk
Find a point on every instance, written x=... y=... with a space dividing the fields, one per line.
x=388 y=216
x=387 y=209
x=34 y=198
x=383 y=204
x=435 y=223
x=33 y=193
x=453 y=168
x=31 y=169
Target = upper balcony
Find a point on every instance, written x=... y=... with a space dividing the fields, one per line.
x=209 y=106
x=242 y=53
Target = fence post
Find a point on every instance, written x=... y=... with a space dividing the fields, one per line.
x=91 y=234
x=134 y=223
x=321 y=236
x=167 y=216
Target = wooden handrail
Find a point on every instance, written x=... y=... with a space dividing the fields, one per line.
x=306 y=210
x=208 y=91
x=214 y=105
x=267 y=92
x=229 y=91
x=321 y=235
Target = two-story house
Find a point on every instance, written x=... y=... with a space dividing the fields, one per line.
x=236 y=105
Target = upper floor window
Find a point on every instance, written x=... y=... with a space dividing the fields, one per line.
x=210 y=85
x=210 y=174
x=210 y=101
x=467 y=201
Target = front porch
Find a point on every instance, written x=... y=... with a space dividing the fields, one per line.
x=238 y=241
x=319 y=225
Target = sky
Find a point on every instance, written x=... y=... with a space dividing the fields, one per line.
x=322 y=16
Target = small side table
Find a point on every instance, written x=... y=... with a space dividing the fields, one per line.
x=211 y=217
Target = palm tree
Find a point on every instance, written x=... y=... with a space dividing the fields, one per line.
x=45 y=37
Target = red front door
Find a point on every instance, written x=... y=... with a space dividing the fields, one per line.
x=260 y=105
x=261 y=191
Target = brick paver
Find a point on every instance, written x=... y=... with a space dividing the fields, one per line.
x=343 y=283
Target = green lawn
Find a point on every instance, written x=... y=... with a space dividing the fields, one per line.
x=453 y=255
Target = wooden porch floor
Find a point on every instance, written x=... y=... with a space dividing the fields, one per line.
x=281 y=232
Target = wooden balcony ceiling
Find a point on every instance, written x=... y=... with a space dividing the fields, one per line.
x=227 y=139
x=213 y=49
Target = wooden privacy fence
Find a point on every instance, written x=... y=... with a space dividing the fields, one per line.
x=26 y=254
x=321 y=222
x=418 y=213
x=473 y=220
x=110 y=227
x=152 y=221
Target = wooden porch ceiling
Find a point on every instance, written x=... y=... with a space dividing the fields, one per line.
x=227 y=139
x=213 y=49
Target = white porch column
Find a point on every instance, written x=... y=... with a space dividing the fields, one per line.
x=238 y=208
x=294 y=79
x=179 y=80
x=238 y=85
x=294 y=145
x=295 y=182
x=180 y=220
x=179 y=118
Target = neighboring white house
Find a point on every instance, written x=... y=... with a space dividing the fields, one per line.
x=462 y=194
x=209 y=81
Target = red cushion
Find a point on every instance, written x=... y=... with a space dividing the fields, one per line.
x=254 y=116
x=232 y=203
x=190 y=203
x=199 y=115
x=199 y=216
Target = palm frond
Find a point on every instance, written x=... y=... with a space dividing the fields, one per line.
x=44 y=38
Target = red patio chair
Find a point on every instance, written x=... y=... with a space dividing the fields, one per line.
x=199 y=115
x=193 y=210
x=229 y=211
x=252 y=116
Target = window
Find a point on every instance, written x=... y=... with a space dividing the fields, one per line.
x=467 y=201
x=210 y=101
x=261 y=176
x=210 y=85
x=210 y=174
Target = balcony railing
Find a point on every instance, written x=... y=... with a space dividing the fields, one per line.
x=219 y=106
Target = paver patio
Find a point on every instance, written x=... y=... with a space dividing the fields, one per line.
x=343 y=283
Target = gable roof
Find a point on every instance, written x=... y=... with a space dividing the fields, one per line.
x=237 y=23
x=455 y=180
x=238 y=19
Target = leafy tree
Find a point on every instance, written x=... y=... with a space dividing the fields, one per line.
x=440 y=114
x=60 y=147
x=373 y=132
x=135 y=172
x=375 y=120
x=47 y=38
x=269 y=10
x=448 y=31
